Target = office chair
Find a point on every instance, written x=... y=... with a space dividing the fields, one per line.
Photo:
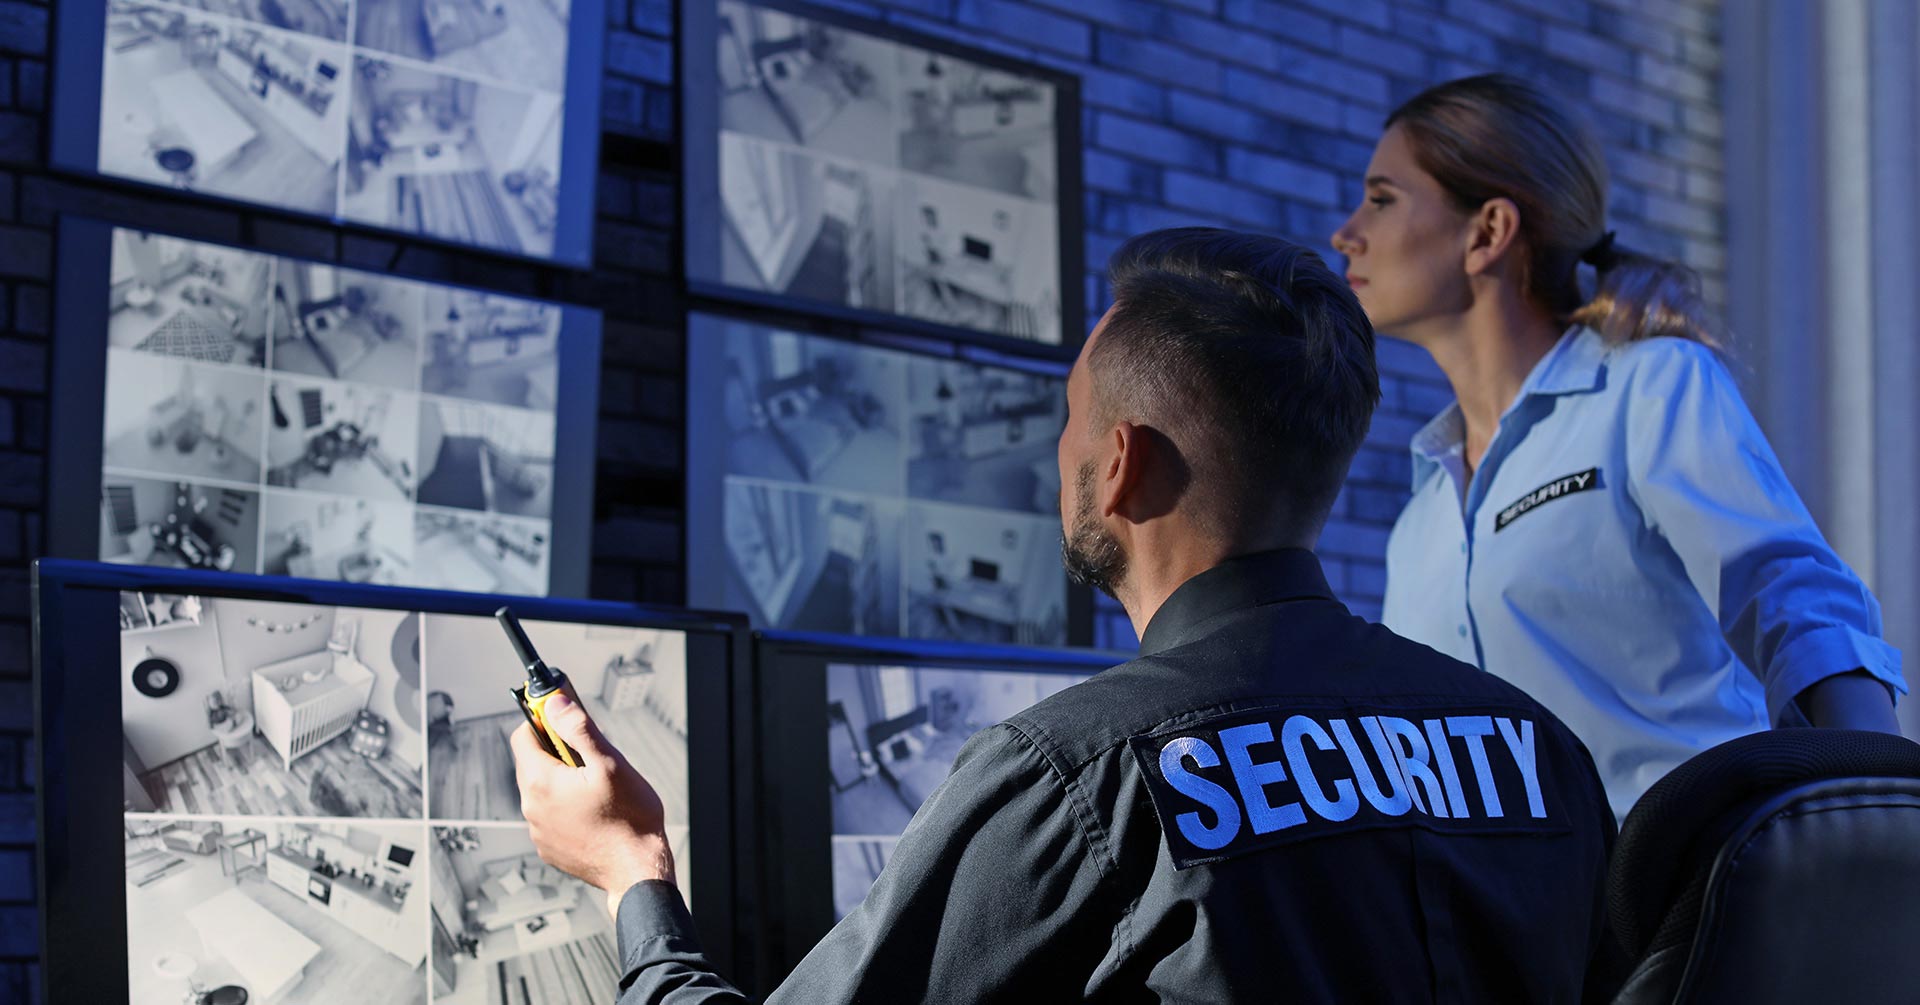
x=1779 y=867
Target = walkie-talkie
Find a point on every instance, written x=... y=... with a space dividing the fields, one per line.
x=543 y=682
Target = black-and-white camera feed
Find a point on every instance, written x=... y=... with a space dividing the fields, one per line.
x=632 y=681
x=457 y=550
x=494 y=349
x=983 y=436
x=507 y=927
x=336 y=537
x=800 y=223
x=471 y=161
x=275 y=910
x=170 y=416
x=342 y=439
x=436 y=117
x=875 y=492
x=237 y=707
x=346 y=325
x=264 y=414
x=481 y=457
x=812 y=410
x=520 y=42
x=979 y=575
x=813 y=561
x=183 y=525
x=320 y=802
x=968 y=257
x=863 y=172
x=323 y=18
x=225 y=105
x=195 y=301
x=892 y=735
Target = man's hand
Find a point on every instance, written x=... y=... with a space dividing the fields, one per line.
x=601 y=821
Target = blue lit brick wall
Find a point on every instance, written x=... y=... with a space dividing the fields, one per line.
x=1247 y=113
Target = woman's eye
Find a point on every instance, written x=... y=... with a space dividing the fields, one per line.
x=1380 y=201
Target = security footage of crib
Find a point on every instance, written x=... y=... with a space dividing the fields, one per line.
x=289 y=827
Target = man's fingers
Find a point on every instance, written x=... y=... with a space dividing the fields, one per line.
x=567 y=720
x=524 y=745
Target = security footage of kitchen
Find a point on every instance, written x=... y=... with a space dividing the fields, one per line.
x=319 y=802
x=876 y=175
x=434 y=117
x=270 y=415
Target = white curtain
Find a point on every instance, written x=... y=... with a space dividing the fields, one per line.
x=1823 y=157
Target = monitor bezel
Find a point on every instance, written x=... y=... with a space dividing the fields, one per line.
x=73 y=146
x=77 y=398
x=80 y=856
x=698 y=131
x=787 y=797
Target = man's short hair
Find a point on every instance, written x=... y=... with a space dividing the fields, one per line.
x=1253 y=356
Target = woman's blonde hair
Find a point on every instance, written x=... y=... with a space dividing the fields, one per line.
x=1497 y=136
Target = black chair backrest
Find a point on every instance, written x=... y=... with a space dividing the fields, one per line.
x=1781 y=866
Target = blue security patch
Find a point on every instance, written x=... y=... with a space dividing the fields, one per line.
x=1247 y=780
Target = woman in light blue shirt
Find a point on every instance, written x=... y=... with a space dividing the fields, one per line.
x=1596 y=518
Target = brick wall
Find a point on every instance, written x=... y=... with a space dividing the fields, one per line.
x=1246 y=113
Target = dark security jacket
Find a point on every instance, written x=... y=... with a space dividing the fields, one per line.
x=1277 y=801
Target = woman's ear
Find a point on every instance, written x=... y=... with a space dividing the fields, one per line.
x=1492 y=232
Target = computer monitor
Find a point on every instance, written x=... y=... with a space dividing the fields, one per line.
x=305 y=789
x=473 y=124
x=247 y=412
x=873 y=487
x=852 y=734
x=843 y=166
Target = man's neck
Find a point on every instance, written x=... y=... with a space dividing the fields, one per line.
x=1156 y=569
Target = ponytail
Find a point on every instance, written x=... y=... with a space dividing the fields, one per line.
x=1639 y=297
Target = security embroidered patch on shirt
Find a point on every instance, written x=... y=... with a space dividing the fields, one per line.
x=1245 y=781
x=1565 y=485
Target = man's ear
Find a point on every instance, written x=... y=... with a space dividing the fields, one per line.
x=1492 y=233
x=1121 y=471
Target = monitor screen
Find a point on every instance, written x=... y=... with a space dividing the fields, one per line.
x=893 y=732
x=844 y=166
x=267 y=414
x=852 y=735
x=471 y=123
x=310 y=794
x=855 y=488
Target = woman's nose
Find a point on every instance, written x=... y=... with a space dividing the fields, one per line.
x=1344 y=240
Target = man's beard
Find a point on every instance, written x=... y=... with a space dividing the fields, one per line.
x=1090 y=552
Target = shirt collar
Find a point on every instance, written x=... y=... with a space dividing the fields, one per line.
x=1247 y=581
x=1575 y=365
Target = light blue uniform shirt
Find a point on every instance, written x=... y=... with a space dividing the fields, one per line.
x=1629 y=553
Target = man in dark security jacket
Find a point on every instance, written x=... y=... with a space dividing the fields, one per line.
x=1276 y=801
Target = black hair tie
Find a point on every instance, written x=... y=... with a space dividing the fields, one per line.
x=1601 y=256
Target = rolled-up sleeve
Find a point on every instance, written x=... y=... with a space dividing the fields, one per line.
x=977 y=903
x=1703 y=473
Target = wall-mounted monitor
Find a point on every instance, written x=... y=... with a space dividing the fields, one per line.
x=852 y=487
x=304 y=791
x=853 y=734
x=239 y=411
x=469 y=122
x=844 y=167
